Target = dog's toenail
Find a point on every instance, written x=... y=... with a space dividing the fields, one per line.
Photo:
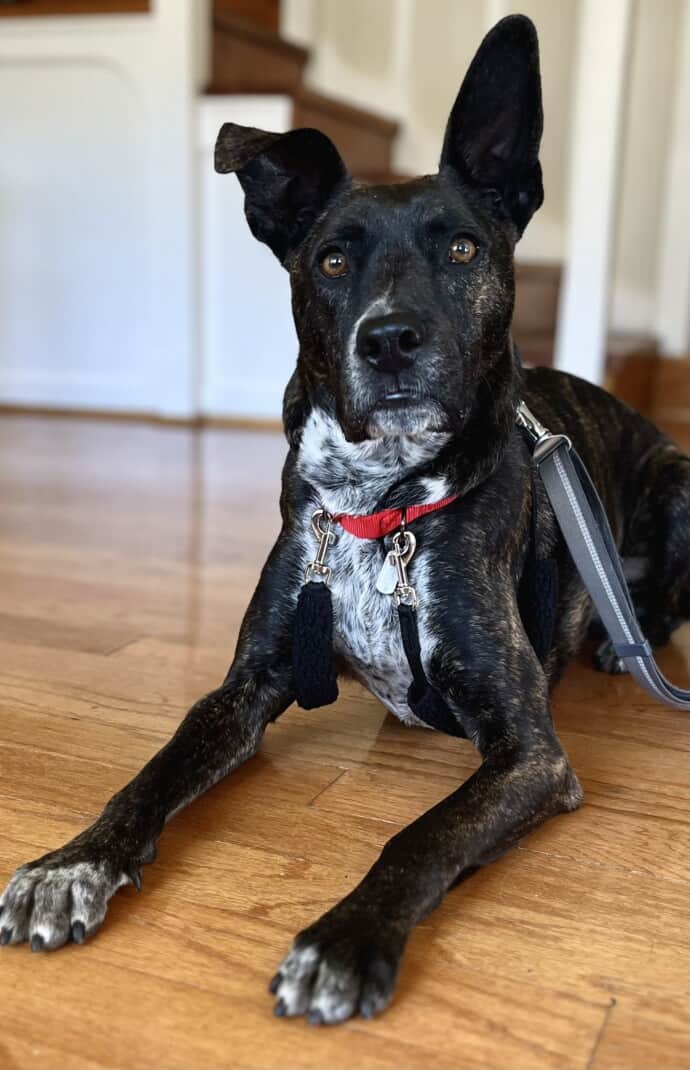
x=37 y=942
x=78 y=932
x=275 y=984
x=280 y=1009
x=367 y=1010
x=315 y=1018
x=5 y=936
x=134 y=875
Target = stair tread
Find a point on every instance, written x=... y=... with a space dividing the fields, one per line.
x=236 y=26
x=346 y=112
x=243 y=54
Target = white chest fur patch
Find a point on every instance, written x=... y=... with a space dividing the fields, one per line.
x=351 y=478
x=366 y=627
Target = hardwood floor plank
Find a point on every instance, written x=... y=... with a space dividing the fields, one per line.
x=127 y=556
x=641 y=1033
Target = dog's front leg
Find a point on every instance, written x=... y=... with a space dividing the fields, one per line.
x=347 y=963
x=65 y=893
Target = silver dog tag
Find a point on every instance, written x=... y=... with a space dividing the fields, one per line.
x=388 y=576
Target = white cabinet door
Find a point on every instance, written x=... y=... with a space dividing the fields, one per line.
x=98 y=211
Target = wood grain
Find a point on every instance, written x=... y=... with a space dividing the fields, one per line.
x=263 y=13
x=127 y=554
x=246 y=58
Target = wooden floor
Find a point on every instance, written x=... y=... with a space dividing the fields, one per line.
x=127 y=554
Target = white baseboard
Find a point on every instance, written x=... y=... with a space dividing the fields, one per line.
x=73 y=391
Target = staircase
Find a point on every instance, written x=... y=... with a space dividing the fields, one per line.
x=536 y=311
x=249 y=56
x=631 y=360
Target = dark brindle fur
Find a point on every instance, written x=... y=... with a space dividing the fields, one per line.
x=406 y=386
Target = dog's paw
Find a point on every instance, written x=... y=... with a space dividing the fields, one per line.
x=61 y=897
x=605 y=659
x=334 y=971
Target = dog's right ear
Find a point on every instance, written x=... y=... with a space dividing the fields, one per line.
x=287 y=179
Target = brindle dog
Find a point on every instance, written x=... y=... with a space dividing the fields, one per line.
x=405 y=391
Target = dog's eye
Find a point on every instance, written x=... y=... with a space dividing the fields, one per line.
x=334 y=264
x=462 y=250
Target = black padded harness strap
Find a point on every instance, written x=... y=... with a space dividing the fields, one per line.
x=313 y=667
x=538 y=600
x=424 y=701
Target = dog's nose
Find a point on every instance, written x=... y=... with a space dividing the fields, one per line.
x=390 y=343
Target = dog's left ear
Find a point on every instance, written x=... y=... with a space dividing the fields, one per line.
x=493 y=134
x=287 y=179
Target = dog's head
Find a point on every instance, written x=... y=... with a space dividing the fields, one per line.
x=403 y=294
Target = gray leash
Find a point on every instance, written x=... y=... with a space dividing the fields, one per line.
x=583 y=521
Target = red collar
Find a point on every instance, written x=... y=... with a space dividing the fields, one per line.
x=376 y=525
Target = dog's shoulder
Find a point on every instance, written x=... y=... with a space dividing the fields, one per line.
x=573 y=406
x=612 y=438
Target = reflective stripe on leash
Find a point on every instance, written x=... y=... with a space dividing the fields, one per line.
x=582 y=519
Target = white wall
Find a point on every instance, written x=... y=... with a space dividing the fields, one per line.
x=651 y=82
x=672 y=305
x=98 y=209
x=600 y=83
x=248 y=341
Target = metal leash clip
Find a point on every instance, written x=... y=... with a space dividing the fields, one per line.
x=543 y=441
x=404 y=546
x=526 y=419
x=318 y=570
